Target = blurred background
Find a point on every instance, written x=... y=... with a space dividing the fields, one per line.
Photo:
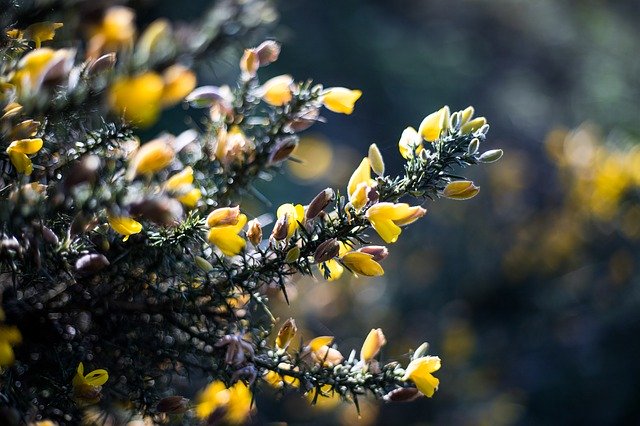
x=530 y=292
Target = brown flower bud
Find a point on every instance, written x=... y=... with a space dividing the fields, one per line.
x=90 y=264
x=49 y=236
x=320 y=201
x=81 y=224
x=163 y=211
x=268 y=52
x=173 y=405
x=283 y=149
x=254 y=232
x=103 y=63
x=327 y=250
x=304 y=120
x=281 y=228
x=402 y=395
x=378 y=252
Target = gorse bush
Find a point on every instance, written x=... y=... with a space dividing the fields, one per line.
x=128 y=267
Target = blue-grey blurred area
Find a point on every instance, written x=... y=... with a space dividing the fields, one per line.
x=530 y=292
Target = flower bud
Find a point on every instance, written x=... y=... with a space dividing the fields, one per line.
x=268 y=52
x=473 y=146
x=490 y=156
x=102 y=64
x=402 y=395
x=304 y=120
x=249 y=64
x=254 y=232
x=24 y=129
x=473 y=125
x=327 y=250
x=173 y=405
x=276 y=91
x=292 y=255
x=461 y=190
x=223 y=216
x=205 y=96
x=373 y=343
x=281 y=228
x=49 y=236
x=286 y=333
x=162 y=211
x=283 y=149
x=379 y=253
x=376 y=160
x=203 y=264
x=151 y=157
x=466 y=115
x=420 y=351
x=90 y=264
x=319 y=203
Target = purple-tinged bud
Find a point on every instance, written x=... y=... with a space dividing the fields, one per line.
x=378 y=252
x=319 y=203
x=268 y=52
x=283 y=149
x=327 y=250
x=90 y=264
x=402 y=395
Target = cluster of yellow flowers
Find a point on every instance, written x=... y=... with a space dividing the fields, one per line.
x=232 y=404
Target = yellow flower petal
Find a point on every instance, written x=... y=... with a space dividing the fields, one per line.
x=335 y=269
x=26 y=146
x=97 y=377
x=179 y=81
x=224 y=216
x=461 y=190
x=362 y=174
x=226 y=237
x=185 y=177
x=138 y=98
x=277 y=91
x=317 y=343
x=386 y=218
x=362 y=264
x=433 y=124
x=191 y=198
x=214 y=396
x=372 y=344
x=340 y=99
x=21 y=162
x=124 y=225
x=410 y=140
x=419 y=371
x=295 y=215
x=41 y=31
x=151 y=157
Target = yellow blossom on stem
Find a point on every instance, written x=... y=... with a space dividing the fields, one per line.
x=294 y=216
x=322 y=353
x=419 y=372
x=182 y=185
x=41 y=31
x=286 y=333
x=9 y=337
x=362 y=264
x=18 y=151
x=226 y=237
x=340 y=99
x=372 y=344
x=461 y=190
x=360 y=184
x=277 y=91
x=116 y=31
x=433 y=124
x=151 y=157
x=235 y=401
x=86 y=388
x=333 y=266
x=124 y=225
x=39 y=65
x=410 y=142
x=179 y=81
x=138 y=98
x=387 y=218
x=223 y=216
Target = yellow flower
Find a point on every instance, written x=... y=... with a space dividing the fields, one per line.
x=372 y=344
x=233 y=145
x=362 y=264
x=340 y=99
x=151 y=157
x=179 y=81
x=322 y=353
x=182 y=185
x=18 y=151
x=138 y=98
x=294 y=215
x=235 y=401
x=419 y=372
x=277 y=91
x=224 y=216
x=226 y=237
x=387 y=218
x=153 y=37
x=433 y=124
x=325 y=399
x=410 y=140
x=461 y=190
x=124 y=225
x=39 y=64
x=9 y=337
x=86 y=388
x=360 y=184
x=41 y=31
x=117 y=30
x=278 y=380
